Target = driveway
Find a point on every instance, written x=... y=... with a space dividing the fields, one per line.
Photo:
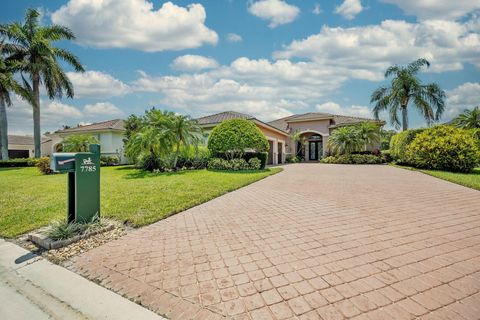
x=313 y=242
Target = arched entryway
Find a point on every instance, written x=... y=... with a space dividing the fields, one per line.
x=310 y=146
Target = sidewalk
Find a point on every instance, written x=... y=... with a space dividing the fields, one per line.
x=33 y=288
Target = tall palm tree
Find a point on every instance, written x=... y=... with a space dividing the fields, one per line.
x=7 y=85
x=40 y=63
x=406 y=88
x=469 y=119
x=184 y=132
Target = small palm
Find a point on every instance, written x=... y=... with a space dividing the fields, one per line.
x=469 y=119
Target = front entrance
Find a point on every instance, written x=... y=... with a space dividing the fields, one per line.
x=313 y=150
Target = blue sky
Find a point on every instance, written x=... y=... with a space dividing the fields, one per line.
x=268 y=58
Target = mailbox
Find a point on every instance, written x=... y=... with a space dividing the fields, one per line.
x=83 y=186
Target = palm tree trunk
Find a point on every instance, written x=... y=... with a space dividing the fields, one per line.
x=36 y=115
x=404 y=118
x=177 y=151
x=3 y=130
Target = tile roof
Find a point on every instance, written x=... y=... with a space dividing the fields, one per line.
x=222 y=116
x=116 y=124
x=23 y=140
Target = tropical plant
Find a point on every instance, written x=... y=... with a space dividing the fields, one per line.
x=345 y=140
x=369 y=133
x=184 y=132
x=7 y=85
x=406 y=88
x=299 y=138
x=468 y=119
x=38 y=59
x=385 y=137
x=400 y=142
x=232 y=138
x=78 y=143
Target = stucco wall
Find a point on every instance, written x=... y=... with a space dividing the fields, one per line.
x=316 y=126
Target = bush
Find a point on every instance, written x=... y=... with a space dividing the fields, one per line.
x=234 y=164
x=387 y=156
x=255 y=163
x=262 y=156
x=43 y=165
x=19 y=162
x=193 y=158
x=106 y=161
x=354 y=159
x=233 y=137
x=399 y=144
x=149 y=162
x=292 y=159
x=444 y=148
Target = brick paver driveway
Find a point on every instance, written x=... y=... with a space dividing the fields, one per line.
x=313 y=242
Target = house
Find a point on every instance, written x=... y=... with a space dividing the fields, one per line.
x=108 y=133
x=305 y=135
x=23 y=146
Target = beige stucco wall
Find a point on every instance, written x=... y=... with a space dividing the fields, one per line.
x=317 y=126
x=276 y=138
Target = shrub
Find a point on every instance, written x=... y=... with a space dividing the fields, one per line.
x=193 y=158
x=387 y=156
x=444 y=148
x=399 y=144
x=292 y=159
x=43 y=165
x=234 y=137
x=262 y=156
x=149 y=162
x=354 y=159
x=65 y=230
x=17 y=162
x=239 y=164
x=219 y=164
x=106 y=161
x=254 y=163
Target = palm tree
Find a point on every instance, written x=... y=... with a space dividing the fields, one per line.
x=469 y=119
x=369 y=133
x=7 y=85
x=78 y=143
x=39 y=60
x=185 y=132
x=406 y=87
x=345 y=140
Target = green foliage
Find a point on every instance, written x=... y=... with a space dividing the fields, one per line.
x=232 y=138
x=399 y=144
x=64 y=230
x=19 y=162
x=193 y=157
x=385 y=138
x=444 y=148
x=78 y=143
x=234 y=164
x=354 y=138
x=262 y=156
x=469 y=119
x=292 y=159
x=132 y=125
x=106 y=161
x=354 y=159
x=43 y=165
x=405 y=88
x=386 y=154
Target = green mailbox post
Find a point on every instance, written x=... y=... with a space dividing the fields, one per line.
x=83 y=170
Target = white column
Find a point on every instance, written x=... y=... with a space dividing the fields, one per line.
x=275 y=151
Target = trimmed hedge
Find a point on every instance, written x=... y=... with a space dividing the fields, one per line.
x=354 y=159
x=234 y=164
x=233 y=137
x=107 y=161
x=444 y=148
x=19 y=162
x=262 y=156
x=399 y=144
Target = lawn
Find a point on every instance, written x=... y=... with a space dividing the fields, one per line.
x=30 y=200
x=471 y=180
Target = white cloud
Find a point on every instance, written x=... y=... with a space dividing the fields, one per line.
x=365 y=52
x=317 y=9
x=102 y=108
x=278 y=12
x=233 y=37
x=349 y=9
x=463 y=97
x=96 y=84
x=437 y=9
x=136 y=24
x=353 y=110
x=191 y=62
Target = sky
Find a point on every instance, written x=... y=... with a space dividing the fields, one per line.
x=267 y=58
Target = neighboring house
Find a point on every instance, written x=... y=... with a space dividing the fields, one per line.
x=108 y=133
x=312 y=128
x=277 y=138
x=23 y=146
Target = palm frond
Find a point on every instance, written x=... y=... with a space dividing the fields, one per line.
x=393 y=70
x=415 y=66
x=69 y=58
x=57 y=32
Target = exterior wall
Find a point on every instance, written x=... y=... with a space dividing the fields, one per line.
x=276 y=137
x=316 y=126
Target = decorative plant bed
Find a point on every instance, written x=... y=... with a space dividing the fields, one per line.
x=42 y=236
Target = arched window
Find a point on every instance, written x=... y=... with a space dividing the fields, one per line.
x=315 y=137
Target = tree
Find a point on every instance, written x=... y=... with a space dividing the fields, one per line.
x=39 y=61
x=78 y=143
x=233 y=137
x=7 y=85
x=385 y=137
x=299 y=138
x=369 y=133
x=184 y=132
x=345 y=140
x=469 y=119
x=406 y=88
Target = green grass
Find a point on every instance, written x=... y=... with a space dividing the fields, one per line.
x=471 y=180
x=29 y=199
